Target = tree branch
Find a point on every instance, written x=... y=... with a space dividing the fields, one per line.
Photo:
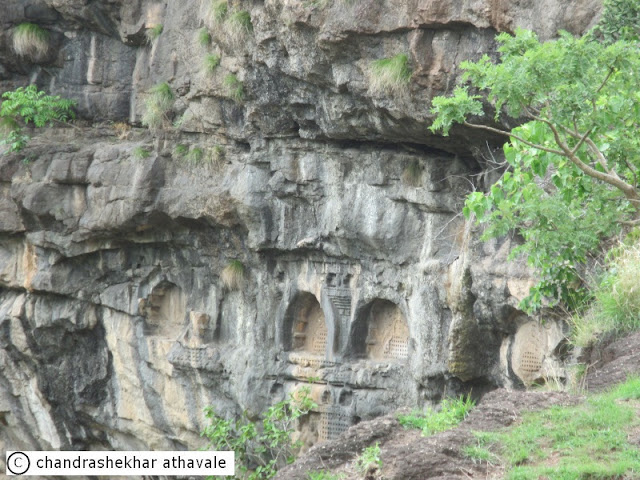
x=516 y=137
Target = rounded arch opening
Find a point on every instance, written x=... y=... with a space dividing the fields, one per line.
x=305 y=328
x=165 y=310
x=381 y=333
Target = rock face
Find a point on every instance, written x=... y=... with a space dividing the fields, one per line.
x=357 y=274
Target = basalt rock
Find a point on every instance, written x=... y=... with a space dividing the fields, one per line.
x=360 y=277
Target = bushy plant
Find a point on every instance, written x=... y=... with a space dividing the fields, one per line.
x=234 y=87
x=31 y=40
x=390 y=75
x=369 y=460
x=452 y=412
x=232 y=275
x=158 y=105
x=260 y=449
x=27 y=105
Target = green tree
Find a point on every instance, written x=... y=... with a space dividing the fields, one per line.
x=260 y=449
x=572 y=164
x=27 y=105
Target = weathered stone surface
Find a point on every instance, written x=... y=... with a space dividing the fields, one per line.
x=117 y=329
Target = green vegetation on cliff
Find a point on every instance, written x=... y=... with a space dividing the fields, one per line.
x=572 y=165
x=25 y=106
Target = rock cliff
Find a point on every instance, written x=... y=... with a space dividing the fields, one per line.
x=356 y=273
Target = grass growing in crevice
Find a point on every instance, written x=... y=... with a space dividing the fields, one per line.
x=369 y=460
x=452 y=412
x=218 y=10
x=615 y=309
x=234 y=88
x=204 y=37
x=158 y=105
x=211 y=62
x=180 y=150
x=140 y=153
x=195 y=155
x=31 y=40
x=233 y=275
x=323 y=475
x=152 y=33
x=390 y=75
x=589 y=440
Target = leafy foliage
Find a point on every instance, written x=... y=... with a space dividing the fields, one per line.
x=390 y=75
x=369 y=460
x=31 y=40
x=620 y=20
x=260 y=450
x=572 y=166
x=27 y=105
x=452 y=412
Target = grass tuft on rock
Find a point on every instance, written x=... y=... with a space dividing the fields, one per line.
x=237 y=27
x=152 y=33
x=31 y=40
x=218 y=10
x=211 y=62
x=412 y=174
x=158 y=105
x=452 y=412
x=204 y=37
x=234 y=87
x=232 y=275
x=140 y=153
x=390 y=75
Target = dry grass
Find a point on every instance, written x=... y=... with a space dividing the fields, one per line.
x=158 y=105
x=412 y=174
x=237 y=27
x=123 y=130
x=30 y=40
x=232 y=275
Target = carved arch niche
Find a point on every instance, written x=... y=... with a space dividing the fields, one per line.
x=164 y=310
x=305 y=328
x=380 y=333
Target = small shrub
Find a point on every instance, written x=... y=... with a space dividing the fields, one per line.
x=234 y=87
x=204 y=37
x=152 y=33
x=158 y=106
x=269 y=444
x=195 y=155
x=412 y=174
x=30 y=40
x=232 y=275
x=211 y=62
x=369 y=460
x=140 y=153
x=180 y=150
x=218 y=10
x=28 y=105
x=390 y=75
x=452 y=412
